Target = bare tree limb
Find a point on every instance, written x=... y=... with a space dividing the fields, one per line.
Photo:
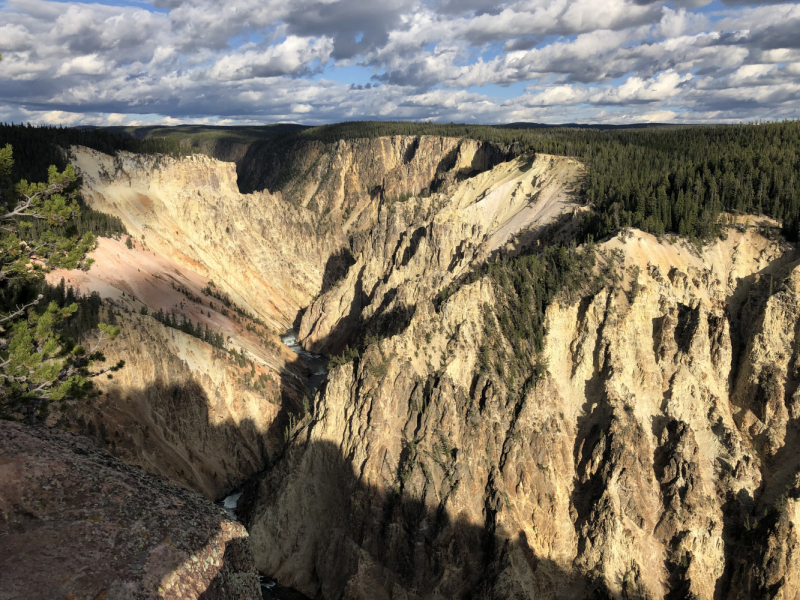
x=20 y=310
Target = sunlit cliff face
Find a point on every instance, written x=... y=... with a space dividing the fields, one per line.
x=241 y=266
x=659 y=426
x=192 y=212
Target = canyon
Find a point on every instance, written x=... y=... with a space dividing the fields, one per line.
x=648 y=450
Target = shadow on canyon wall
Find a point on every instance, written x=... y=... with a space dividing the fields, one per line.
x=171 y=429
x=368 y=541
x=383 y=538
x=379 y=538
x=336 y=268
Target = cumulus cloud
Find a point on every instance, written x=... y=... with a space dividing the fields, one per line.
x=559 y=95
x=249 y=61
x=295 y=56
x=635 y=89
x=90 y=64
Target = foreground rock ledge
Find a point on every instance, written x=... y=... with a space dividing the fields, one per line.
x=78 y=523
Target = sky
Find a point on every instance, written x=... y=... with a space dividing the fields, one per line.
x=141 y=62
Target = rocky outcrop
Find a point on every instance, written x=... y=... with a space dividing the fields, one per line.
x=78 y=523
x=627 y=469
x=418 y=246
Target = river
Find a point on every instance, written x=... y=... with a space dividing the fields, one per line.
x=316 y=363
x=318 y=366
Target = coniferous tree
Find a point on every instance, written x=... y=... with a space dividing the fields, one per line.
x=37 y=364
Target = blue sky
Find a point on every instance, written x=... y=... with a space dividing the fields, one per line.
x=315 y=61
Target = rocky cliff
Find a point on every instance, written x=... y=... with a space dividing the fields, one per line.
x=654 y=456
x=208 y=417
x=417 y=246
x=77 y=523
x=494 y=430
x=272 y=252
x=242 y=266
x=264 y=253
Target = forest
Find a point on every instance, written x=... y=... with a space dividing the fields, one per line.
x=666 y=179
x=35 y=149
x=185 y=325
x=84 y=320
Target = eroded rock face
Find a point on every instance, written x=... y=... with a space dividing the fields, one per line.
x=420 y=245
x=78 y=523
x=345 y=178
x=273 y=252
x=655 y=457
x=633 y=468
x=181 y=407
x=266 y=254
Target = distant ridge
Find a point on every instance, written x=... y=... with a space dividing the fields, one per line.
x=524 y=125
x=149 y=131
x=154 y=130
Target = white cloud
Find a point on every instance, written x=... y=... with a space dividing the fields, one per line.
x=635 y=89
x=249 y=61
x=559 y=95
x=658 y=116
x=15 y=38
x=294 y=56
x=676 y=23
x=83 y=65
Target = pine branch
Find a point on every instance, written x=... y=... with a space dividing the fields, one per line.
x=19 y=312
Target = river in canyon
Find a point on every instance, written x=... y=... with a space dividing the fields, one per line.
x=317 y=365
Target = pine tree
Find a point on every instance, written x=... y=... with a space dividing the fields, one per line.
x=38 y=365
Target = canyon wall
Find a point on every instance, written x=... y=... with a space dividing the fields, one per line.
x=181 y=407
x=267 y=255
x=418 y=246
x=272 y=251
x=650 y=453
x=654 y=456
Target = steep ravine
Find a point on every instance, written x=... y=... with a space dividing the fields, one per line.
x=652 y=452
x=199 y=415
x=242 y=266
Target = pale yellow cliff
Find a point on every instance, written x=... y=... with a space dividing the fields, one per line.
x=418 y=246
x=190 y=210
x=632 y=468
